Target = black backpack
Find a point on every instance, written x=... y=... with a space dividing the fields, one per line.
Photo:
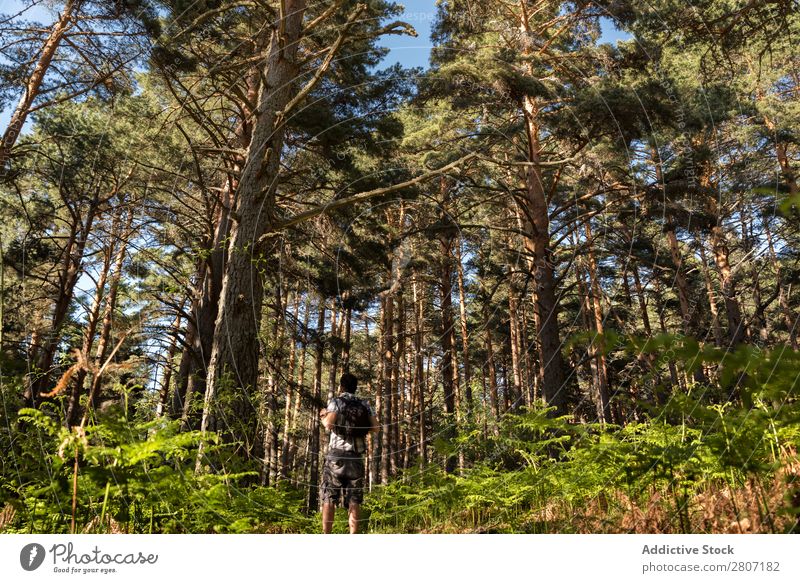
x=353 y=420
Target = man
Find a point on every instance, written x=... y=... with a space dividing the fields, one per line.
x=348 y=419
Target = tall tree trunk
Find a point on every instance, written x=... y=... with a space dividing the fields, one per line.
x=680 y=279
x=387 y=357
x=736 y=325
x=590 y=362
x=235 y=348
x=178 y=404
x=163 y=399
x=292 y=395
x=72 y=264
x=683 y=292
x=790 y=319
x=494 y=395
x=419 y=368
x=675 y=252
x=462 y=312
x=211 y=266
x=604 y=412
x=269 y=467
x=446 y=342
x=335 y=351
x=530 y=382
x=34 y=83
x=301 y=379
x=373 y=444
x=637 y=282
x=313 y=439
x=537 y=244
x=108 y=313
x=514 y=349
x=737 y=331
x=348 y=325
x=675 y=379
x=760 y=306
x=398 y=385
x=206 y=308
x=93 y=317
x=716 y=327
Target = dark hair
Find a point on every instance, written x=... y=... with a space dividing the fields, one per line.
x=348 y=382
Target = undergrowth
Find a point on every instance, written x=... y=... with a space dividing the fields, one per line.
x=698 y=464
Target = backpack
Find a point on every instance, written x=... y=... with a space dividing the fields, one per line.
x=353 y=421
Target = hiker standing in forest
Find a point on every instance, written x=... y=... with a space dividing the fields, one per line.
x=349 y=420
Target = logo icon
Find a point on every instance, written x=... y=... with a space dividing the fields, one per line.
x=31 y=556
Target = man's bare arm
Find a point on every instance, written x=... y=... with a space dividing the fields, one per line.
x=375 y=424
x=328 y=419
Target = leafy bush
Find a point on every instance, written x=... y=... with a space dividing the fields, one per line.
x=693 y=458
x=138 y=478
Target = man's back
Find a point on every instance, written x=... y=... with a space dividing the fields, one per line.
x=339 y=440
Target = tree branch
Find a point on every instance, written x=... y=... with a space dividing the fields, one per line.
x=361 y=197
x=323 y=68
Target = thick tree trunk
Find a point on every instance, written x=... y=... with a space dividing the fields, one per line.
x=235 y=349
x=537 y=243
x=211 y=268
x=206 y=308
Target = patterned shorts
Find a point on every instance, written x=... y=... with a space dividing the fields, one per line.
x=343 y=473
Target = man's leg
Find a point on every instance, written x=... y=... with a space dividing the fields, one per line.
x=328 y=512
x=330 y=492
x=352 y=516
x=355 y=493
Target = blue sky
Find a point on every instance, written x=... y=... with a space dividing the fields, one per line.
x=421 y=14
x=409 y=51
